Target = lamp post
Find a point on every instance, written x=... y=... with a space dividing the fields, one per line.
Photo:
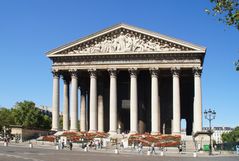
x=210 y=115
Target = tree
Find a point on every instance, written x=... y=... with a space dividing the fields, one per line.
x=46 y=122
x=237 y=65
x=232 y=136
x=23 y=113
x=6 y=118
x=27 y=115
x=227 y=11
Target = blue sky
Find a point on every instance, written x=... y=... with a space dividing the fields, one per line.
x=28 y=29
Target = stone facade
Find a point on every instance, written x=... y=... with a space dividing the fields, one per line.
x=130 y=80
x=21 y=134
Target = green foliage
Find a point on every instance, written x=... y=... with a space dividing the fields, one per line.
x=61 y=122
x=46 y=122
x=25 y=114
x=6 y=118
x=232 y=136
x=227 y=11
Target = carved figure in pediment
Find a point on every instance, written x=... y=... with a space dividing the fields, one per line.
x=129 y=42
x=103 y=45
x=71 y=52
x=114 y=44
x=97 y=47
x=140 y=44
x=108 y=44
x=157 y=46
x=133 y=41
x=165 y=47
x=87 y=49
x=121 y=42
x=150 y=45
x=75 y=52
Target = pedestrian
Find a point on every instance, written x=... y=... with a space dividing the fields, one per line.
x=140 y=147
x=180 y=148
x=122 y=145
x=62 y=144
x=133 y=145
x=101 y=144
x=70 y=144
x=152 y=149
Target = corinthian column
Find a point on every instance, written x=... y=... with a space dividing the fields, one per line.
x=133 y=101
x=100 y=106
x=66 y=104
x=93 y=100
x=83 y=111
x=74 y=101
x=55 y=101
x=113 y=100
x=176 y=102
x=197 y=109
x=155 y=104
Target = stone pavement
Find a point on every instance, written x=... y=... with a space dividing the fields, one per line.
x=48 y=152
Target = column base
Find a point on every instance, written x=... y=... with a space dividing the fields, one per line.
x=74 y=130
x=54 y=129
x=65 y=129
x=155 y=133
x=133 y=132
x=112 y=132
x=92 y=131
x=101 y=131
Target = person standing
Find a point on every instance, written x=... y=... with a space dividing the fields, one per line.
x=70 y=144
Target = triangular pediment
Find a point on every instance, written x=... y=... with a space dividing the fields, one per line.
x=124 y=39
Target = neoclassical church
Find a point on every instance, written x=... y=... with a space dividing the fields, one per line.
x=128 y=80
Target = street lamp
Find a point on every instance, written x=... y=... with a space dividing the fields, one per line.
x=210 y=115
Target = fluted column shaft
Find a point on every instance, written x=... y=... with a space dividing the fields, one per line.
x=176 y=102
x=55 y=101
x=66 y=105
x=197 y=111
x=155 y=103
x=113 y=100
x=100 y=113
x=74 y=101
x=93 y=101
x=83 y=111
x=133 y=101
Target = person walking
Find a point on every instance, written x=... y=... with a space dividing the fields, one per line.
x=70 y=144
x=140 y=147
x=62 y=144
x=152 y=149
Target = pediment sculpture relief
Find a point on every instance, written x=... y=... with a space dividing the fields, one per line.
x=126 y=42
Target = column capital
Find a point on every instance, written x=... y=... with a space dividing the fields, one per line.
x=73 y=73
x=197 y=71
x=133 y=72
x=154 y=71
x=112 y=72
x=175 y=71
x=56 y=73
x=92 y=72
